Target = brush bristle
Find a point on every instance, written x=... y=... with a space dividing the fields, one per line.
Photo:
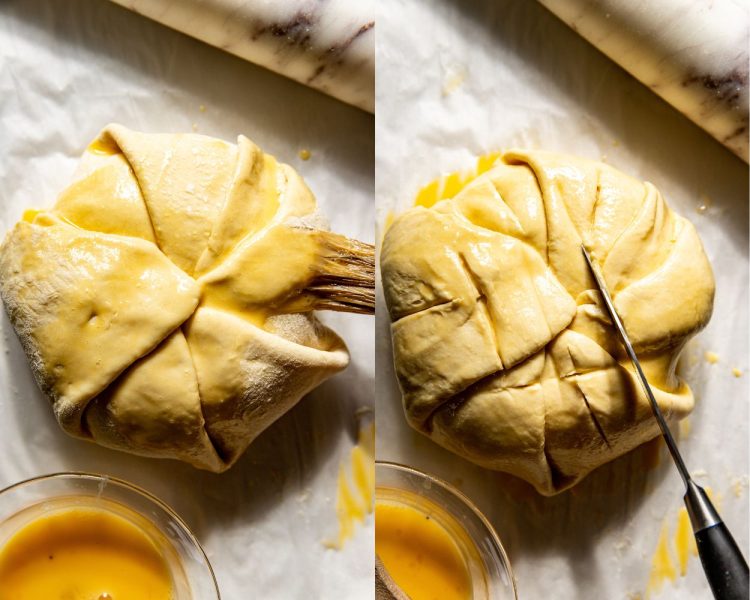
x=344 y=277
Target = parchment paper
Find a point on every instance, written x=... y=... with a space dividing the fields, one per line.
x=459 y=79
x=67 y=69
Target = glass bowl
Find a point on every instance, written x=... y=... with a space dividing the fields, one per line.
x=29 y=500
x=491 y=575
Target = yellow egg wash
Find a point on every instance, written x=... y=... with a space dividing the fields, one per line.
x=711 y=358
x=355 y=494
x=681 y=546
x=103 y=146
x=30 y=214
x=449 y=185
x=422 y=558
x=83 y=554
x=662 y=565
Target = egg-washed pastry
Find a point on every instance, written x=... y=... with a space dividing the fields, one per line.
x=165 y=302
x=503 y=350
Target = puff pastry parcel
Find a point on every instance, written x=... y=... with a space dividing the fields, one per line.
x=165 y=302
x=503 y=350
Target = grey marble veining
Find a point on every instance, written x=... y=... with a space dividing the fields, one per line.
x=326 y=44
x=693 y=53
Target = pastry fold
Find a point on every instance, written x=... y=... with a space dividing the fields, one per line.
x=503 y=350
x=161 y=302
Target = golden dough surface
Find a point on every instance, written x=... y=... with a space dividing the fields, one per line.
x=503 y=350
x=160 y=300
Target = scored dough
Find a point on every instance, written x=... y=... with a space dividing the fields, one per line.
x=503 y=351
x=154 y=300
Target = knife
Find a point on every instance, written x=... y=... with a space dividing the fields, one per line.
x=723 y=563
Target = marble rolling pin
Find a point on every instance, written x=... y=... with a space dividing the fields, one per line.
x=326 y=44
x=693 y=53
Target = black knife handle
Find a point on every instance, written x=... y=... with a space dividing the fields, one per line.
x=725 y=567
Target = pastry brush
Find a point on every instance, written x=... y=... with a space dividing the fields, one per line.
x=344 y=278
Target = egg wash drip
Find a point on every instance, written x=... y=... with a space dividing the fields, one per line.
x=447 y=186
x=355 y=493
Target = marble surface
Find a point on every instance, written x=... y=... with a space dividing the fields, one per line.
x=326 y=44
x=693 y=54
x=497 y=74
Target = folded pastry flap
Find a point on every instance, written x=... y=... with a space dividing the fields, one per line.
x=154 y=409
x=296 y=200
x=569 y=190
x=524 y=374
x=678 y=296
x=248 y=377
x=660 y=368
x=622 y=410
x=600 y=411
x=595 y=330
x=481 y=205
x=619 y=200
x=643 y=246
x=185 y=180
x=517 y=186
x=439 y=353
x=294 y=269
x=424 y=270
x=593 y=322
x=615 y=401
x=563 y=179
x=282 y=261
x=303 y=329
x=526 y=304
x=498 y=428
x=264 y=192
x=252 y=201
x=106 y=198
x=574 y=444
x=87 y=305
